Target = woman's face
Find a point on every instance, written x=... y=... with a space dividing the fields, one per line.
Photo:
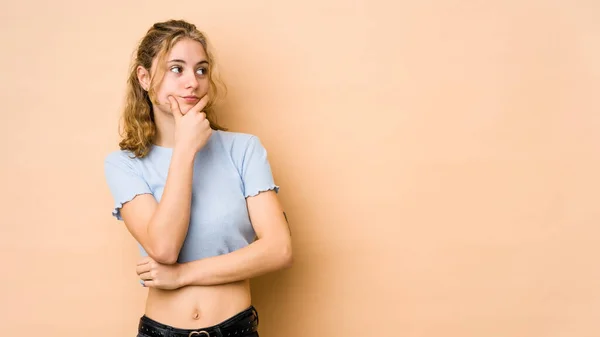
x=186 y=76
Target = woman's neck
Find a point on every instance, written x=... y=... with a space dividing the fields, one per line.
x=165 y=129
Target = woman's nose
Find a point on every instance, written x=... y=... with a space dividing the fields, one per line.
x=191 y=81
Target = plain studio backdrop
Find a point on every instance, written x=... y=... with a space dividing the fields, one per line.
x=438 y=161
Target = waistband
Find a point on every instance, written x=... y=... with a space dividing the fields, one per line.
x=238 y=325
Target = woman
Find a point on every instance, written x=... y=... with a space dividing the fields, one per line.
x=200 y=200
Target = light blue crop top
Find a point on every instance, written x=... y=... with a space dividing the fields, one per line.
x=229 y=168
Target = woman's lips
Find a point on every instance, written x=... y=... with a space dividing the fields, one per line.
x=190 y=99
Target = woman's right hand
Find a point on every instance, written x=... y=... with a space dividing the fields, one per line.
x=192 y=129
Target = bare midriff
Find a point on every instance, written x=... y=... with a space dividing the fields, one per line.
x=194 y=307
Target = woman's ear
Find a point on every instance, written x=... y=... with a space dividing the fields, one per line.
x=143 y=77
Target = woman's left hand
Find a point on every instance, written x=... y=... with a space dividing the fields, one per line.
x=158 y=275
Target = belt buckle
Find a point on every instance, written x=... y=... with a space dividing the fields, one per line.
x=199 y=333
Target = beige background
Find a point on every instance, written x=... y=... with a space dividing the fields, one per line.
x=438 y=162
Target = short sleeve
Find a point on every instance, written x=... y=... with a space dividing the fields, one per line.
x=123 y=181
x=256 y=170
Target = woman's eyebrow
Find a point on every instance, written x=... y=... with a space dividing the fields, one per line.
x=182 y=61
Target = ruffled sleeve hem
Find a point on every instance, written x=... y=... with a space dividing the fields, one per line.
x=256 y=191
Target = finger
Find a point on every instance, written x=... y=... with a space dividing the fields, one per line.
x=146 y=276
x=144 y=260
x=148 y=283
x=201 y=104
x=174 y=107
x=142 y=268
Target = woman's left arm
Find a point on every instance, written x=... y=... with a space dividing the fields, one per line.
x=271 y=251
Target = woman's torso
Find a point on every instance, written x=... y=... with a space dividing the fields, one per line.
x=219 y=224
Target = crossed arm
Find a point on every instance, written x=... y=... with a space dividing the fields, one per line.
x=271 y=251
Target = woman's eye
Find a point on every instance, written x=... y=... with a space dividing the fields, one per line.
x=201 y=71
x=176 y=69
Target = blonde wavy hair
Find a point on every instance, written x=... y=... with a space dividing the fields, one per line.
x=138 y=128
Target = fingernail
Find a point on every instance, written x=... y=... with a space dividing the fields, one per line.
x=142 y=283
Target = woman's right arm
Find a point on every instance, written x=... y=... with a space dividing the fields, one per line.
x=161 y=227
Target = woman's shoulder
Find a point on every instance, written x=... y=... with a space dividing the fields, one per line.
x=236 y=142
x=242 y=147
x=121 y=159
x=233 y=137
x=120 y=156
